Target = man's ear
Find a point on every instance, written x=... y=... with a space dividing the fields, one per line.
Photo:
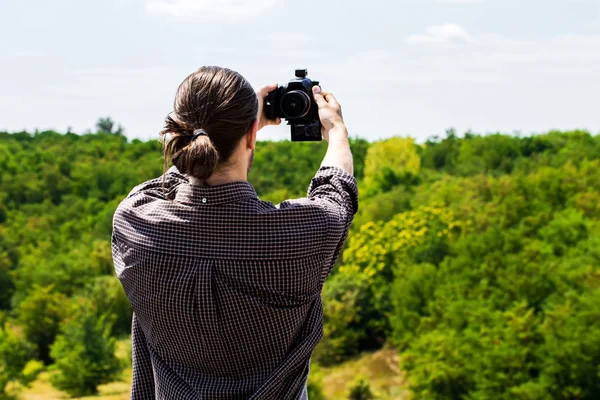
x=251 y=136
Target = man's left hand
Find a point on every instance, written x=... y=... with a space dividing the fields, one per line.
x=262 y=118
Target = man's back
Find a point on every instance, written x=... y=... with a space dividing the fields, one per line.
x=226 y=288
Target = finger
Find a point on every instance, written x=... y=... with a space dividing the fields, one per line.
x=318 y=96
x=331 y=99
x=266 y=89
x=274 y=121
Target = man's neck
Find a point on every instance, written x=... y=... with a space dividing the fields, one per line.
x=222 y=177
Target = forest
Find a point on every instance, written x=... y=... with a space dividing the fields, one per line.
x=475 y=257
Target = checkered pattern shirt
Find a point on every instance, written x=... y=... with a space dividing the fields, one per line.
x=225 y=288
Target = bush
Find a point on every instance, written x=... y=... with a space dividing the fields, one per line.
x=314 y=386
x=15 y=365
x=84 y=353
x=40 y=315
x=389 y=163
x=347 y=310
x=108 y=300
x=360 y=390
x=411 y=294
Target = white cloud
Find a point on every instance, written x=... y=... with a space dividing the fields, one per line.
x=210 y=9
x=444 y=34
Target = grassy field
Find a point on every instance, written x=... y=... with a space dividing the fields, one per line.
x=42 y=389
x=380 y=369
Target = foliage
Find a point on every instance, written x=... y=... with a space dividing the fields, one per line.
x=495 y=297
x=14 y=366
x=315 y=383
x=383 y=206
x=108 y=300
x=107 y=125
x=85 y=353
x=40 y=315
x=360 y=390
x=6 y=282
x=477 y=256
x=389 y=163
x=508 y=313
x=282 y=170
x=347 y=310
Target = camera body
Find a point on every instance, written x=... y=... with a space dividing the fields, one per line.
x=295 y=103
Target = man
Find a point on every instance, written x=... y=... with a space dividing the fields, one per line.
x=226 y=288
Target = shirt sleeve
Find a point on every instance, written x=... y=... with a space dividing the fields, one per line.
x=335 y=192
x=143 y=384
x=163 y=186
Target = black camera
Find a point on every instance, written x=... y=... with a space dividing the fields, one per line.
x=295 y=102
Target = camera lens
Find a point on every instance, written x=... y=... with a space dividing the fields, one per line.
x=295 y=104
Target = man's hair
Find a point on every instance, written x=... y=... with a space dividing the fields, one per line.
x=221 y=105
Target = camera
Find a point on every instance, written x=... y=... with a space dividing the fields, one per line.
x=295 y=103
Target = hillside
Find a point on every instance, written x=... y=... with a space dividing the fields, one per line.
x=476 y=257
x=381 y=368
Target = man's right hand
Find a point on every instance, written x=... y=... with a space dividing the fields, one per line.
x=334 y=132
x=330 y=112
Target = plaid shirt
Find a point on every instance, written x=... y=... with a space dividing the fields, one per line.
x=225 y=287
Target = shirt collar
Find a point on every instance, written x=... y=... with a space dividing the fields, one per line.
x=210 y=195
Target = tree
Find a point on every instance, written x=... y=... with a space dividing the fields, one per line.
x=107 y=125
x=16 y=365
x=108 y=300
x=389 y=163
x=360 y=390
x=511 y=310
x=84 y=353
x=347 y=311
x=478 y=257
x=40 y=315
x=6 y=282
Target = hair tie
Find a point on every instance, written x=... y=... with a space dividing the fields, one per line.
x=198 y=132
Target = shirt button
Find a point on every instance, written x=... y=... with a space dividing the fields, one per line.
x=204 y=200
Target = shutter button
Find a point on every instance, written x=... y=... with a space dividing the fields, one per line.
x=204 y=200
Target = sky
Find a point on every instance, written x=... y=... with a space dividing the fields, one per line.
x=398 y=67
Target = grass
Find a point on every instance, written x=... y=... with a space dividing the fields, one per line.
x=43 y=390
x=380 y=369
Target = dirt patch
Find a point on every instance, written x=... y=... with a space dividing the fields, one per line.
x=380 y=369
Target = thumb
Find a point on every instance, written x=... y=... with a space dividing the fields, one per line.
x=318 y=95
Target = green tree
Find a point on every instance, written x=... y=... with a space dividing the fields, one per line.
x=502 y=314
x=40 y=315
x=347 y=310
x=477 y=256
x=16 y=364
x=108 y=300
x=360 y=390
x=7 y=285
x=389 y=163
x=107 y=125
x=84 y=353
